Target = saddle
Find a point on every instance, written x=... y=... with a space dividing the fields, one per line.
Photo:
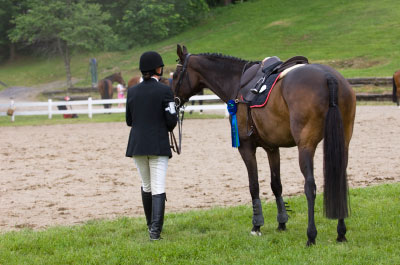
x=265 y=73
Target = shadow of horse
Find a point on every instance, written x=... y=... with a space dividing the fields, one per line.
x=106 y=89
x=396 y=87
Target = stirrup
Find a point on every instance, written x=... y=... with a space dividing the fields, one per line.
x=254 y=91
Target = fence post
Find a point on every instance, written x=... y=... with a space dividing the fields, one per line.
x=12 y=107
x=50 y=108
x=226 y=110
x=90 y=113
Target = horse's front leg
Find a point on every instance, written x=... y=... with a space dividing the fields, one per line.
x=248 y=152
x=276 y=186
x=306 y=157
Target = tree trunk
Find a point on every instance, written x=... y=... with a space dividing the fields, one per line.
x=63 y=48
x=227 y=2
x=12 y=52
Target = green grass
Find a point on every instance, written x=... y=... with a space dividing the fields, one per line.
x=82 y=118
x=359 y=38
x=221 y=236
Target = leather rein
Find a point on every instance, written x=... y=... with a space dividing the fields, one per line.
x=180 y=109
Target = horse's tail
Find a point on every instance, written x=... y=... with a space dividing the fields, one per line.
x=394 y=95
x=335 y=178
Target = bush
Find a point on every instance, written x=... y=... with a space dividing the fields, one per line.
x=153 y=20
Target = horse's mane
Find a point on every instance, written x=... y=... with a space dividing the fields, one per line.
x=110 y=76
x=227 y=57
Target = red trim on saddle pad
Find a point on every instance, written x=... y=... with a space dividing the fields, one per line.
x=269 y=93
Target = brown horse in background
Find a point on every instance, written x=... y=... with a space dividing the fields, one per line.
x=106 y=88
x=311 y=103
x=136 y=80
x=396 y=87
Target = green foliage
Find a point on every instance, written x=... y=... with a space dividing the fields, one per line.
x=358 y=38
x=148 y=21
x=63 y=26
x=78 y=24
x=8 y=9
x=221 y=236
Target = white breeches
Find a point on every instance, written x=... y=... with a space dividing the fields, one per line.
x=152 y=170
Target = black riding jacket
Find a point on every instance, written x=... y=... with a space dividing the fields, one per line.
x=150 y=122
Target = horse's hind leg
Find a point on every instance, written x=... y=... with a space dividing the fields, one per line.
x=248 y=152
x=276 y=186
x=306 y=157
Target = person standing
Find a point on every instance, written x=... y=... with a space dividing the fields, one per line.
x=150 y=112
x=121 y=94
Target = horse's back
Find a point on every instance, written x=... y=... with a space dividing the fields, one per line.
x=298 y=105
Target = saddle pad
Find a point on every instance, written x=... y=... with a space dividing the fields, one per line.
x=261 y=99
x=286 y=71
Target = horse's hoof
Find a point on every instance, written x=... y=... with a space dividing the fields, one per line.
x=255 y=233
x=281 y=227
x=310 y=242
x=341 y=239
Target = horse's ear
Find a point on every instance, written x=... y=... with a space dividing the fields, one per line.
x=185 y=50
x=180 y=53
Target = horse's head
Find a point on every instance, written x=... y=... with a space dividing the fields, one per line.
x=118 y=78
x=185 y=82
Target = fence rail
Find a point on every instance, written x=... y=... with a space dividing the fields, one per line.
x=88 y=107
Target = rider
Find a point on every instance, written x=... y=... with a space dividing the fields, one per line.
x=150 y=111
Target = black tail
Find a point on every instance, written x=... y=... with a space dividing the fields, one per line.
x=335 y=178
x=106 y=94
x=394 y=95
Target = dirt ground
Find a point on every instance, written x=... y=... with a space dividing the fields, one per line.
x=68 y=174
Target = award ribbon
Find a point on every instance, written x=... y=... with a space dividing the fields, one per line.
x=232 y=109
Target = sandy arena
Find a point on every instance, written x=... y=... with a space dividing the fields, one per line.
x=68 y=174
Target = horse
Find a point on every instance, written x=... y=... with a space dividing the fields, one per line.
x=311 y=103
x=105 y=86
x=137 y=79
x=396 y=87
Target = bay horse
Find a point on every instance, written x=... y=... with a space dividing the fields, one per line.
x=105 y=86
x=310 y=103
x=396 y=87
x=136 y=80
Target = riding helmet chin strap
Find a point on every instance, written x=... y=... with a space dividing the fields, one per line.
x=160 y=74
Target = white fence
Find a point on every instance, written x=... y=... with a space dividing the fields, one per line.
x=89 y=107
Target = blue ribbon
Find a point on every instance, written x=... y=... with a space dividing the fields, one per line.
x=232 y=109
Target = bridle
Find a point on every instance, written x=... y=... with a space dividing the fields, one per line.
x=177 y=147
x=183 y=74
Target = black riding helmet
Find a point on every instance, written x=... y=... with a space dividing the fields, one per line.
x=149 y=61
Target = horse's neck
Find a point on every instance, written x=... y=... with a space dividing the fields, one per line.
x=223 y=82
x=111 y=78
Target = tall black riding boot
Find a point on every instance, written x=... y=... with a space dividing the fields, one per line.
x=157 y=219
x=147 y=205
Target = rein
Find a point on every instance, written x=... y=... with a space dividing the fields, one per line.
x=177 y=146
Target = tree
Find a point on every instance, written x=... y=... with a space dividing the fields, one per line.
x=147 y=21
x=8 y=9
x=64 y=26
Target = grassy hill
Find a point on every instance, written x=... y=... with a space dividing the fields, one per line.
x=358 y=38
